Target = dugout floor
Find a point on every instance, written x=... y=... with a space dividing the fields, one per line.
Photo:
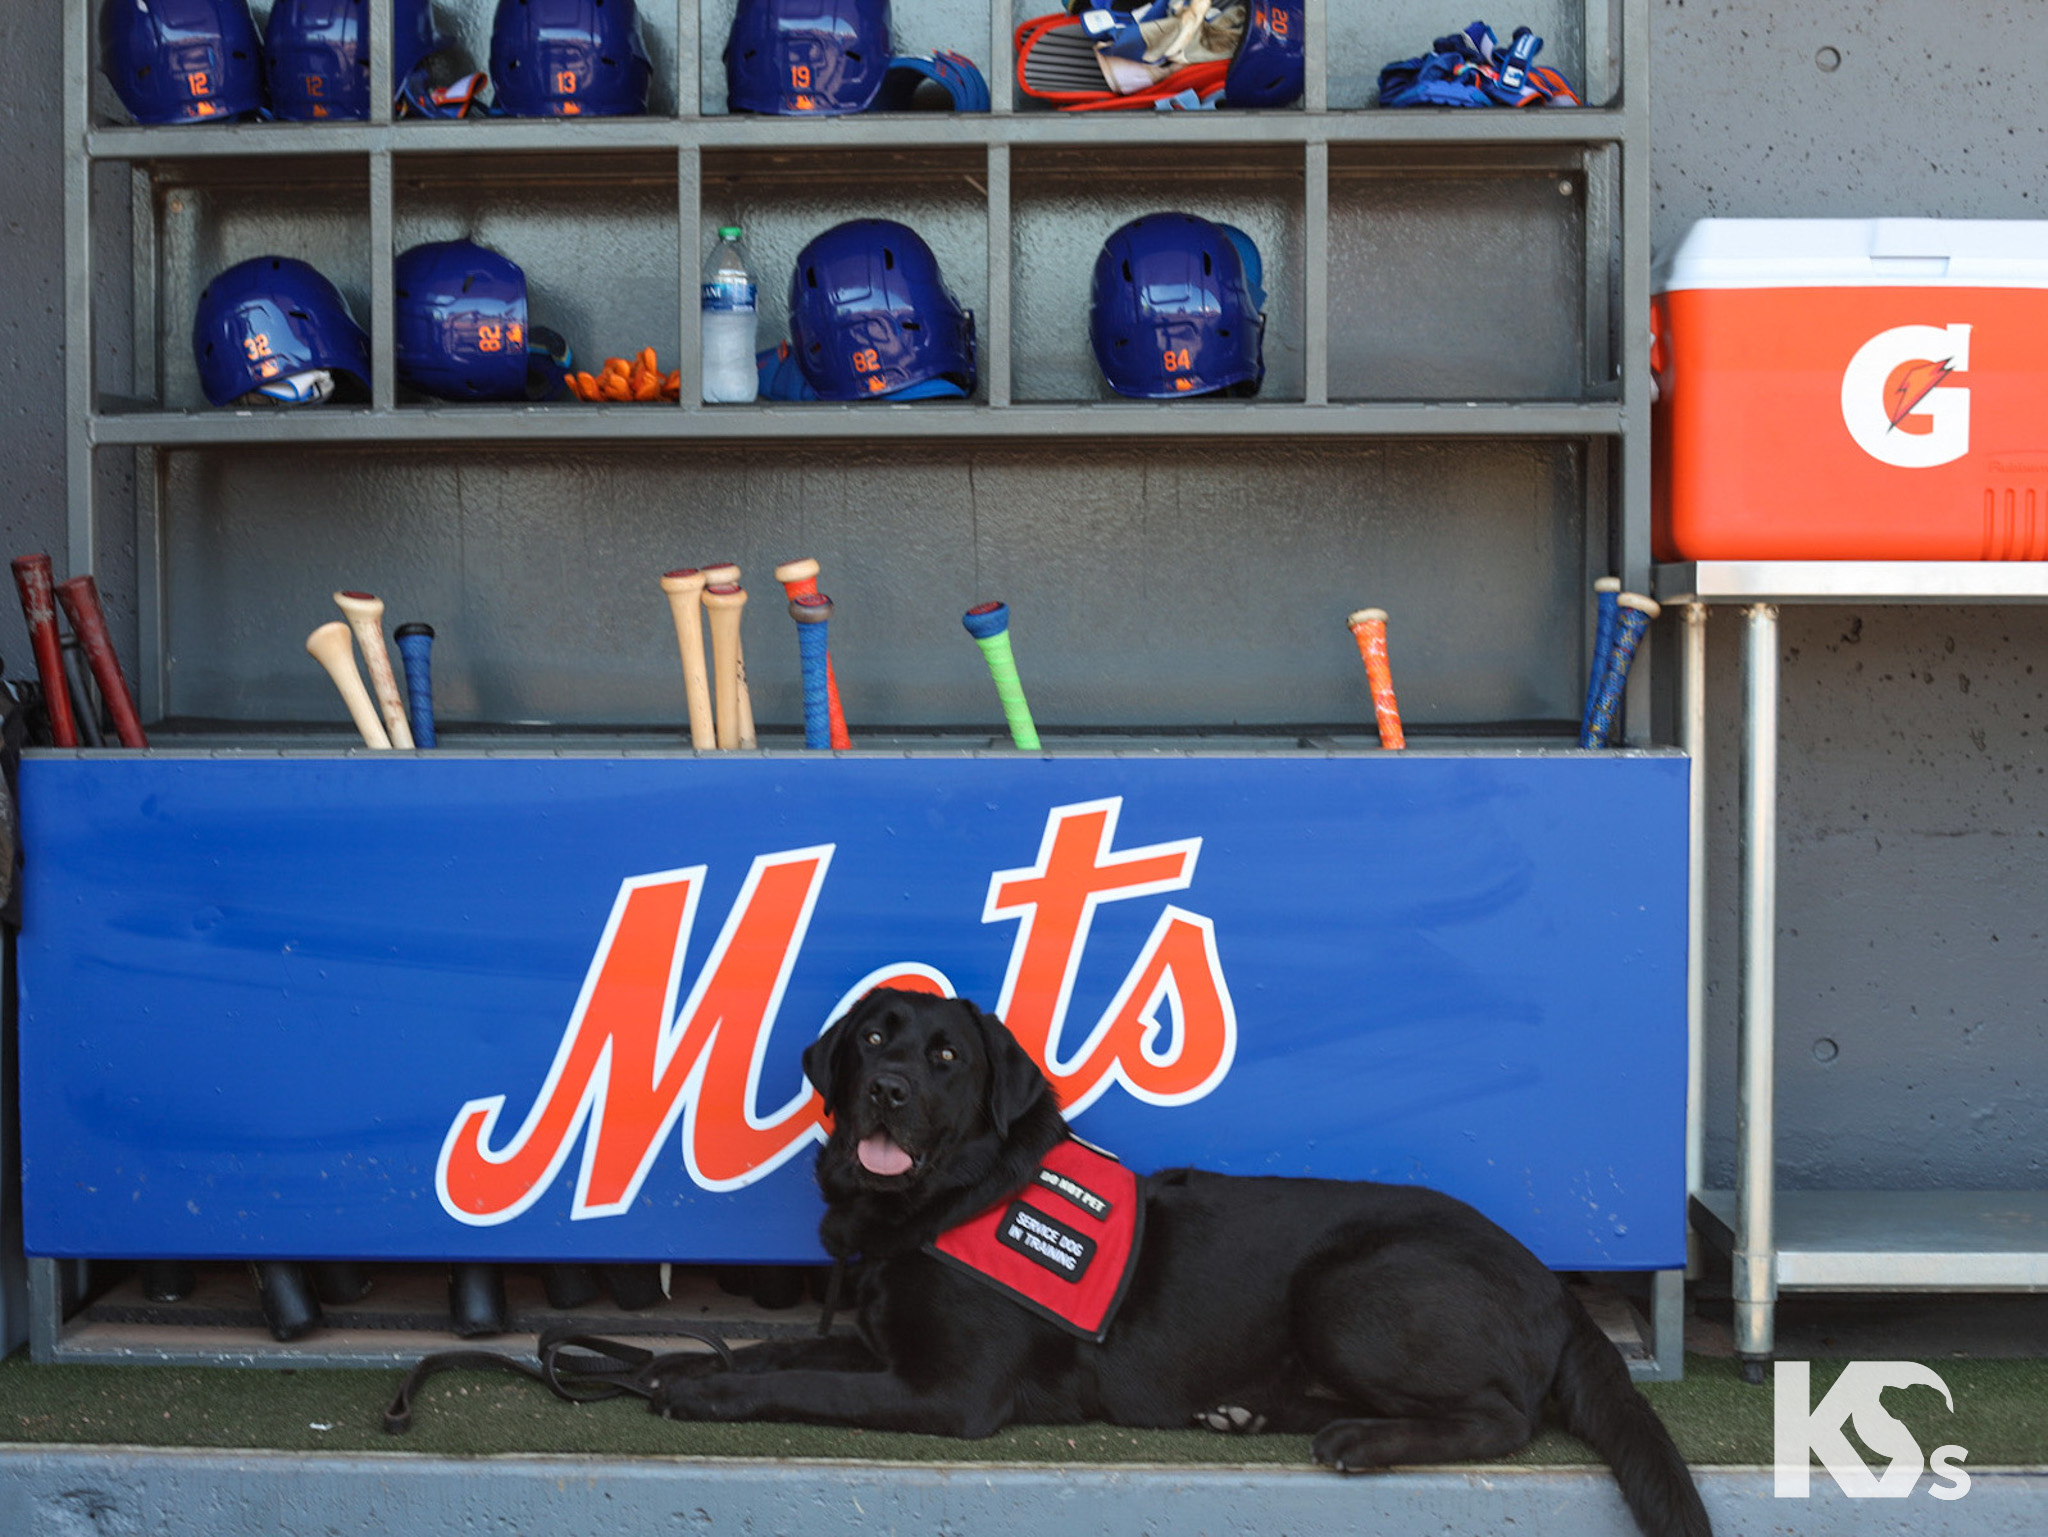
x=166 y=1449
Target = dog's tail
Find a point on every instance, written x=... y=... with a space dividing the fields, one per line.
x=1602 y=1408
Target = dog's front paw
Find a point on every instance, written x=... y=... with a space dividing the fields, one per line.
x=1231 y=1420
x=681 y=1398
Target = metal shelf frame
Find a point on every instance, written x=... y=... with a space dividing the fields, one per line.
x=1819 y=1241
x=1605 y=145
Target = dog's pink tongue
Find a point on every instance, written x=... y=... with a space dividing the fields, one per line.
x=879 y=1154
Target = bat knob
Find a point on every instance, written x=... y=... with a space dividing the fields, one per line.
x=797 y=571
x=1649 y=607
x=810 y=608
x=687 y=579
x=415 y=628
x=723 y=574
x=1367 y=616
x=985 y=621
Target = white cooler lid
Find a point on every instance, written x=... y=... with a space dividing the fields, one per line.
x=1856 y=253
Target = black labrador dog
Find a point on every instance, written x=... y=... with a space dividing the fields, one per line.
x=1394 y=1324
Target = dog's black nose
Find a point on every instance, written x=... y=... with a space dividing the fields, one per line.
x=891 y=1089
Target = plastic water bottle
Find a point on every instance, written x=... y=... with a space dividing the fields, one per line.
x=729 y=322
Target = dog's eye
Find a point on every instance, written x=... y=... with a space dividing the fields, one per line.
x=874 y=1037
x=945 y=1054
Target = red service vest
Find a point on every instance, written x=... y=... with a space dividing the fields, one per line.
x=1065 y=1246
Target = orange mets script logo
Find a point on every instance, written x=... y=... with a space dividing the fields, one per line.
x=631 y=1062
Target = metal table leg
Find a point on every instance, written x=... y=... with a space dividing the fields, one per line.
x=1692 y=737
x=1755 y=1259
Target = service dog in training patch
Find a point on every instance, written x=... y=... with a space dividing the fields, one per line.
x=1006 y=1273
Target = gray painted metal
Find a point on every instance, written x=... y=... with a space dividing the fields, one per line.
x=1901 y=1240
x=53 y=1493
x=1854 y=581
x=1755 y=1258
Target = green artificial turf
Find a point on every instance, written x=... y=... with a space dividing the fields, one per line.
x=2001 y=1416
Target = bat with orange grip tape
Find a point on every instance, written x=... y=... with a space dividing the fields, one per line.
x=1369 y=629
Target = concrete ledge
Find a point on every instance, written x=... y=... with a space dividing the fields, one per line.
x=113 y=1492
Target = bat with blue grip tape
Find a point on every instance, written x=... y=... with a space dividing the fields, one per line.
x=1632 y=616
x=812 y=612
x=415 y=653
x=1604 y=592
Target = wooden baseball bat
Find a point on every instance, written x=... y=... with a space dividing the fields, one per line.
x=799 y=579
x=723 y=575
x=333 y=647
x=81 y=599
x=685 y=589
x=38 y=607
x=1369 y=629
x=722 y=605
x=366 y=617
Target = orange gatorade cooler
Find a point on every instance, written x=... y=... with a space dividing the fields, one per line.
x=1852 y=389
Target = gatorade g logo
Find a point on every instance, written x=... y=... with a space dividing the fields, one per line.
x=641 y=1051
x=1855 y=1399
x=1896 y=399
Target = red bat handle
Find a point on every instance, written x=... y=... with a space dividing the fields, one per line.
x=81 y=599
x=32 y=576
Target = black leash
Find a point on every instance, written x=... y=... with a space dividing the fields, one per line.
x=577 y=1368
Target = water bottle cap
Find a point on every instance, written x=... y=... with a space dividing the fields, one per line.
x=728 y=232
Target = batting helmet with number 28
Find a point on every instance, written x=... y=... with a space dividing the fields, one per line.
x=870 y=316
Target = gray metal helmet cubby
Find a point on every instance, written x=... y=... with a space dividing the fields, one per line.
x=1453 y=424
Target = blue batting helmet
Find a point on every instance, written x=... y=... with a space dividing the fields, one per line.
x=461 y=329
x=1176 y=309
x=267 y=319
x=181 y=61
x=316 y=56
x=569 y=58
x=870 y=316
x=1268 y=67
x=802 y=58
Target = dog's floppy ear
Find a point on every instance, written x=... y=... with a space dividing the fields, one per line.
x=1015 y=1083
x=825 y=1058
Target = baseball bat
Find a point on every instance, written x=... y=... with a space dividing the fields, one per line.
x=366 y=617
x=989 y=624
x=1369 y=629
x=799 y=577
x=813 y=613
x=685 y=589
x=1605 y=590
x=727 y=574
x=38 y=607
x=1632 y=616
x=722 y=605
x=333 y=647
x=81 y=599
x=84 y=710
x=416 y=655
